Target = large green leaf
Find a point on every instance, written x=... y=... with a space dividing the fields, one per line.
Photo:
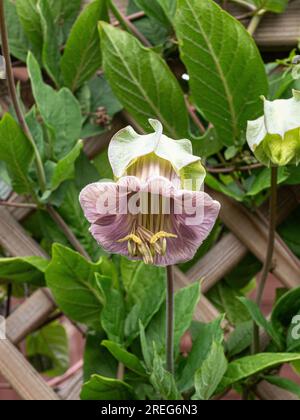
x=71 y=280
x=240 y=339
x=207 y=334
x=285 y=309
x=251 y=365
x=17 y=152
x=263 y=180
x=123 y=356
x=97 y=359
x=169 y=7
x=154 y=10
x=210 y=374
x=64 y=13
x=275 y=6
x=65 y=168
x=60 y=111
x=113 y=312
x=30 y=19
x=261 y=321
x=50 y=51
x=142 y=82
x=163 y=381
x=226 y=300
x=23 y=269
x=82 y=55
x=223 y=62
x=145 y=297
x=48 y=350
x=18 y=41
x=186 y=300
x=99 y=388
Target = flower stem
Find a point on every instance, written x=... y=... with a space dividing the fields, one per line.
x=127 y=24
x=14 y=98
x=255 y=21
x=170 y=320
x=269 y=257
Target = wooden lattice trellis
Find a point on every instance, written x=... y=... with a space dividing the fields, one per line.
x=248 y=232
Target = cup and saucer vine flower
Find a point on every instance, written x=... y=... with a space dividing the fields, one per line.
x=155 y=210
x=274 y=138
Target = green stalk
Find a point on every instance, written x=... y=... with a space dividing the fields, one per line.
x=269 y=257
x=170 y=321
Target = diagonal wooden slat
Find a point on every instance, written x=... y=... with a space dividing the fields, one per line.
x=254 y=235
x=13 y=365
x=21 y=375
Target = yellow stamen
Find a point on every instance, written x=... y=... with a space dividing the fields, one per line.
x=131 y=237
x=161 y=235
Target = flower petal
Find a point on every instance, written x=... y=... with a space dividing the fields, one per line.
x=127 y=146
x=109 y=230
x=190 y=236
x=91 y=195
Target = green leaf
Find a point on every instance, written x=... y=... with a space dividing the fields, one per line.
x=169 y=7
x=227 y=301
x=186 y=300
x=289 y=231
x=206 y=335
x=82 y=55
x=231 y=190
x=113 y=312
x=132 y=70
x=71 y=280
x=50 y=51
x=145 y=348
x=284 y=311
x=129 y=269
x=97 y=359
x=65 y=169
x=222 y=61
x=263 y=180
x=17 y=152
x=275 y=6
x=18 y=42
x=240 y=339
x=261 y=321
x=123 y=356
x=251 y=365
x=207 y=145
x=48 y=350
x=59 y=110
x=30 y=19
x=210 y=374
x=145 y=297
x=64 y=13
x=284 y=383
x=154 y=10
x=99 y=388
x=163 y=381
x=24 y=269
